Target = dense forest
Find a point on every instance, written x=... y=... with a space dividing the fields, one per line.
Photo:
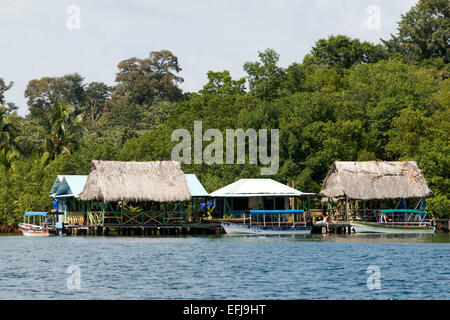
x=347 y=100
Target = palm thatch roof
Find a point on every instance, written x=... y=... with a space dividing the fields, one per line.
x=375 y=180
x=159 y=181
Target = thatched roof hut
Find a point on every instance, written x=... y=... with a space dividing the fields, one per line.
x=369 y=180
x=160 y=181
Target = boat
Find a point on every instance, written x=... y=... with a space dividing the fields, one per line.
x=398 y=221
x=35 y=230
x=43 y=229
x=268 y=226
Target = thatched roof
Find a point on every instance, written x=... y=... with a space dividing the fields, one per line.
x=375 y=180
x=136 y=181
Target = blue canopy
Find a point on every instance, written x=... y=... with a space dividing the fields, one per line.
x=403 y=211
x=36 y=213
x=276 y=211
x=43 y=214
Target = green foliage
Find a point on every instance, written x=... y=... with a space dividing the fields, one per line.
x=265 y=77
x=423 y=32
x=148 y=81
x=343 y=52
x=439 y=206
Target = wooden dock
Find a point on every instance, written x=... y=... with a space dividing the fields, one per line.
x=340 y=227
x=143 y=230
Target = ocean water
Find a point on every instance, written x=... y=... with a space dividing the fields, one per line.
x=226 y=267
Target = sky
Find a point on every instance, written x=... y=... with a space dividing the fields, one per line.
x=48 y=38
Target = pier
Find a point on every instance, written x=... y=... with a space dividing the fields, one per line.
x=143 y=230
x=340 y=227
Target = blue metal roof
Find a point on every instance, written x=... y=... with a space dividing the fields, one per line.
x=195 y=187
x=68 y=186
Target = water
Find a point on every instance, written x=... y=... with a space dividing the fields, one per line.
x=226 y=267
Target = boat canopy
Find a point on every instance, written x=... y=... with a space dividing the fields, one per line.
x=32 y=213
x=275 y=211
x=403 y=211
x=43 y=214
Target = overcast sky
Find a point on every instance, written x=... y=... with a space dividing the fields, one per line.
x=41 y=37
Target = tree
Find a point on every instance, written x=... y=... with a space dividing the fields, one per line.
x=343 y=52
x=150 y=80
x=47 y=91
x=7 y=158
x=9 y=128
x=9 y=106
x=423 y=32
x=60 y=129
x=221 y=83
x=3 y=88
x=265 y=76
x=96 y=95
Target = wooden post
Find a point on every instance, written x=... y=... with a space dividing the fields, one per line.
x=346 y=209
x=103 y=213
x=309 y=207
x=164 y=212
x=365 y=217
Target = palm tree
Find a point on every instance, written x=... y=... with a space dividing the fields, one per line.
x=7 y=158
x=60 y=129
x=9 y=128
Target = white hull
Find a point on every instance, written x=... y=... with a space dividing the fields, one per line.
x=235 y=228
x=35 y=234
x=31 y=230
x=379 y=228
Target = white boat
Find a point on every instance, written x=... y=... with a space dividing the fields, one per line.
x=395 y=221
x=44 y=229
x=376 y=227
x=238 y=228
x=34 y=230
x=267 y=227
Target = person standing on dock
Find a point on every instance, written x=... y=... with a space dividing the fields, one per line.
x=325 y=219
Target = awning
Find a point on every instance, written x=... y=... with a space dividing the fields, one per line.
x=32 y=213
x=43 y=214
x=275 y=211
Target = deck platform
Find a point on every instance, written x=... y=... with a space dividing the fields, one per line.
x=340 y=227
x=143 y=230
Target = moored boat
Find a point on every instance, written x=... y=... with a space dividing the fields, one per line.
x=237 y=228
x=269 y=226
x=43 y=229
x=374 y=227
x=387 y=221
x=34 y=230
